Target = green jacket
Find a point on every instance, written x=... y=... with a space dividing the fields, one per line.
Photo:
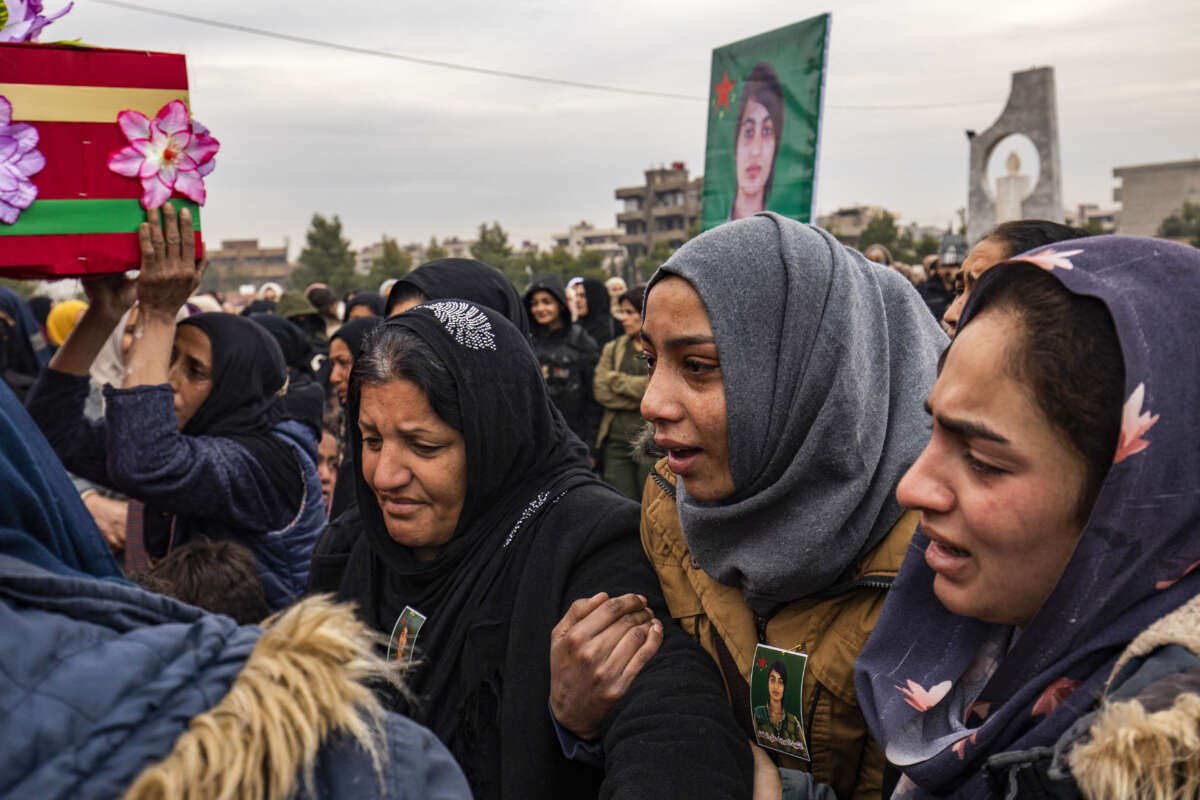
x=613 y=389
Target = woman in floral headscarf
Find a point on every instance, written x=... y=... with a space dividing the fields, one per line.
x=1056 y=560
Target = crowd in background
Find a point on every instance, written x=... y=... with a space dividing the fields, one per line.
x=967 y=495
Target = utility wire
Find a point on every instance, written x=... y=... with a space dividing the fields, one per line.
x=498 y=73
x=366 y=51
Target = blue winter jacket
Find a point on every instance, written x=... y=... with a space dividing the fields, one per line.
x=100 y=679
x=212 y=486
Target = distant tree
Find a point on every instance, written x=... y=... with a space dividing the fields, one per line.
x=880 y=229
x=1183 y=223
x=905 y=249
x=392 y=262
x=927 y=245
x=326 y=257
x=492 y=246
x=658 y=254
x=558 y=261
x=433 y=251
x=590 y=264
x=693 y=230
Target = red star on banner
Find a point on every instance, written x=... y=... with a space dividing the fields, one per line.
x=723 y=89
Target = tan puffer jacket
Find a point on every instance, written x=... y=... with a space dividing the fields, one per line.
x=831 y=629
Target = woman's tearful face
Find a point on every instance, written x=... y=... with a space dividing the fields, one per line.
x=415 y=463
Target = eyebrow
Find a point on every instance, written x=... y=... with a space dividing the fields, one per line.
x=681 y=341
x=967 y=429
x=363 y=423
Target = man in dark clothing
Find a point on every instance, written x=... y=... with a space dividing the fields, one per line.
x=938 y=289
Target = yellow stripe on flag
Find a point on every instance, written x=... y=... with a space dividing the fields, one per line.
x=39 y=102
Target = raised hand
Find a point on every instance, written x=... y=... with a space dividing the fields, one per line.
x=169 y=270
x=110 y=296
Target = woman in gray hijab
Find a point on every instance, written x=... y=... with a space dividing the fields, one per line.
x=787 y=381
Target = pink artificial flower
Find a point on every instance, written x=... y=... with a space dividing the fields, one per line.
x=19 y=159
x=25 y=20
x=1134 y=424
x=920 y=698
x=1168 y=584
x=171 y=153
x=1050 y=258
x=1053 y=696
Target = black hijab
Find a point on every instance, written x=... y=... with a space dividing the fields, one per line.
x=552 y=285
x=467 y=279
x=246 y=400
x=258 y=307
x=354 y=332
x=372 y=300
x=521 y=458
x=24 y=347
x=599 y=321
x=305 y=399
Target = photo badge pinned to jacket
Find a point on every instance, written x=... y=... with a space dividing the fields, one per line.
x=777 y=699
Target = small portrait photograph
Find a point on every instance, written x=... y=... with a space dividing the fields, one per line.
x=776 y=700
x=404 y=635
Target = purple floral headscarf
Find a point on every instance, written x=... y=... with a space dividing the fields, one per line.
x=941 y=692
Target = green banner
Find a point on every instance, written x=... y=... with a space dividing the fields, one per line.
x=52 y=217
x=764 y=124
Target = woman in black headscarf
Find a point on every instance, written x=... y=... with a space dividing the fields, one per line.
x=477 y=509
x=464 y=278
x=344 y=348
x=369 y=304
x=198 y=432
x=305 y=399
x=23 y=349
x=594 y=305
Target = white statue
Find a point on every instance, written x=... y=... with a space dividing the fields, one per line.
x=1011 y=189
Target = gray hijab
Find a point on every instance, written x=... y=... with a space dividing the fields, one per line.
x=827 y=359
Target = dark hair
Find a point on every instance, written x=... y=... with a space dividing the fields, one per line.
x=1023 y=235
x=218 y=576
x=780 y=668
x=392 y=353
x=1070 y=358
x=402 y=292
x=323 y=300
x=635 y=296
x=763 y=86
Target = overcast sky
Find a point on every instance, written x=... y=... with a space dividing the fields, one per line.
x=411 y=150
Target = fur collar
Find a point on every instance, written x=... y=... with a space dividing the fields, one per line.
x=306 y=679
x=1135 y=751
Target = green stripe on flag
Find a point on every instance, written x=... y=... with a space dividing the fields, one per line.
x=50 y=217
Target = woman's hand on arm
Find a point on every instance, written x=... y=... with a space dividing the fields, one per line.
x=109 y=297
x=169 y=276
x=596 y=651
x=110 y=516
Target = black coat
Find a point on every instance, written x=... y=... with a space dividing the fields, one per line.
x=673 y=735
x=568 y=358
x=537 y=530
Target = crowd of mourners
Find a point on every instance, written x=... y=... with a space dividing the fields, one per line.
x=452 y=539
